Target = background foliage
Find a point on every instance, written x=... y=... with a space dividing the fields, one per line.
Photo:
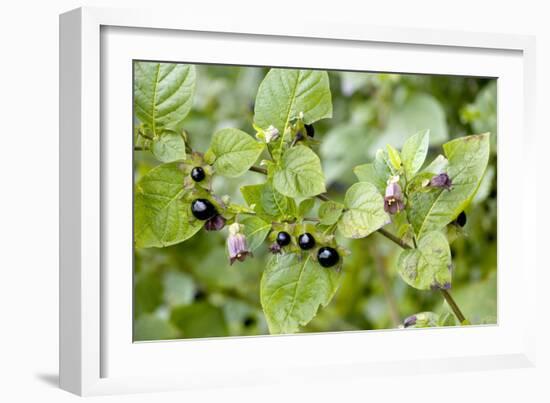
x=189 y=289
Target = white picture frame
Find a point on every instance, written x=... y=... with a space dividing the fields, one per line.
x=97 y=355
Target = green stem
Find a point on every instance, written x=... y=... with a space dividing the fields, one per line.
x=456 y=310
x=258 y=170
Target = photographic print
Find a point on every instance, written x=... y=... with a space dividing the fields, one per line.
x=283 y=200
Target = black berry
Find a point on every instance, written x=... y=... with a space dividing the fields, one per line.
x=461 y=219
x=327 y=256
x=202 y=209
x=197 y=174
x=283 y=238
x=310 y=130
x=306 y=241
x=249 y=321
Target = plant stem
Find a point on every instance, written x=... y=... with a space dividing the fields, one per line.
x=394 y=239
x=323 y=197
x=456 y=310
x=258 y=169
x=446 y=294
x=138 y=148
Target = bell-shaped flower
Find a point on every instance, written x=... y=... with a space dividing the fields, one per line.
x=237 y=246
x=393 y=200
x=441 y=181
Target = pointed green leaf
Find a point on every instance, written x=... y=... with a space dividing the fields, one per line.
x=468 y=157
x=414 y=152
x=299 y=174
x=235 y=152
x=170 y=146
x=292 y=289
x=273 y=202
x=161 y=217
x=394 y=157
x=428 y=266
x=163 y=94
x=364 y=211
x=255 y=230
x=285 y=93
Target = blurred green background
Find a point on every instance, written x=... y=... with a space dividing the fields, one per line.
x=189 y=290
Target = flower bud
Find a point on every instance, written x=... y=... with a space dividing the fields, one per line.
x=393 y=200
x=441 y=181
x=237 y=246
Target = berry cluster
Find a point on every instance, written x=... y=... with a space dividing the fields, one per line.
x=326 y=256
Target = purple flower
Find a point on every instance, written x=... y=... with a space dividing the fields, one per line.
x=393 y=201
x=236 y=244
x=441 y=181
x=215 y=223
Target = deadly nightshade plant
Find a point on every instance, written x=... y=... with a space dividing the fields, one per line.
x=176 y=199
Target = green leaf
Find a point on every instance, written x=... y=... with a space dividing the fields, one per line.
x=285 y=93
x=163 y=94
x=394 y=157
x=378 y=172
x=437 y=166
x=468 y=157
x=414 y=152
x=199 y=320
x=252 y=194
x=273 y=202
x=235 y=152
x=305 y=207
x=151 y=327
x=330 y=212
x=161 y=217
x=299 y=173
x=170 y=146
x=292 y=289
x=364 y=211
x=255 y=230
x=428 y=266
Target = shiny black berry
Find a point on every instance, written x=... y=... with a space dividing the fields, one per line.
x=283 y=238
x=306 y=241
x=310 y=130
x=203 y=209
x=327 y=256
x=461 y=219
x=197 y=174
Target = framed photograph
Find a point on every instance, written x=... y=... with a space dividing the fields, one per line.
x=246 y=203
